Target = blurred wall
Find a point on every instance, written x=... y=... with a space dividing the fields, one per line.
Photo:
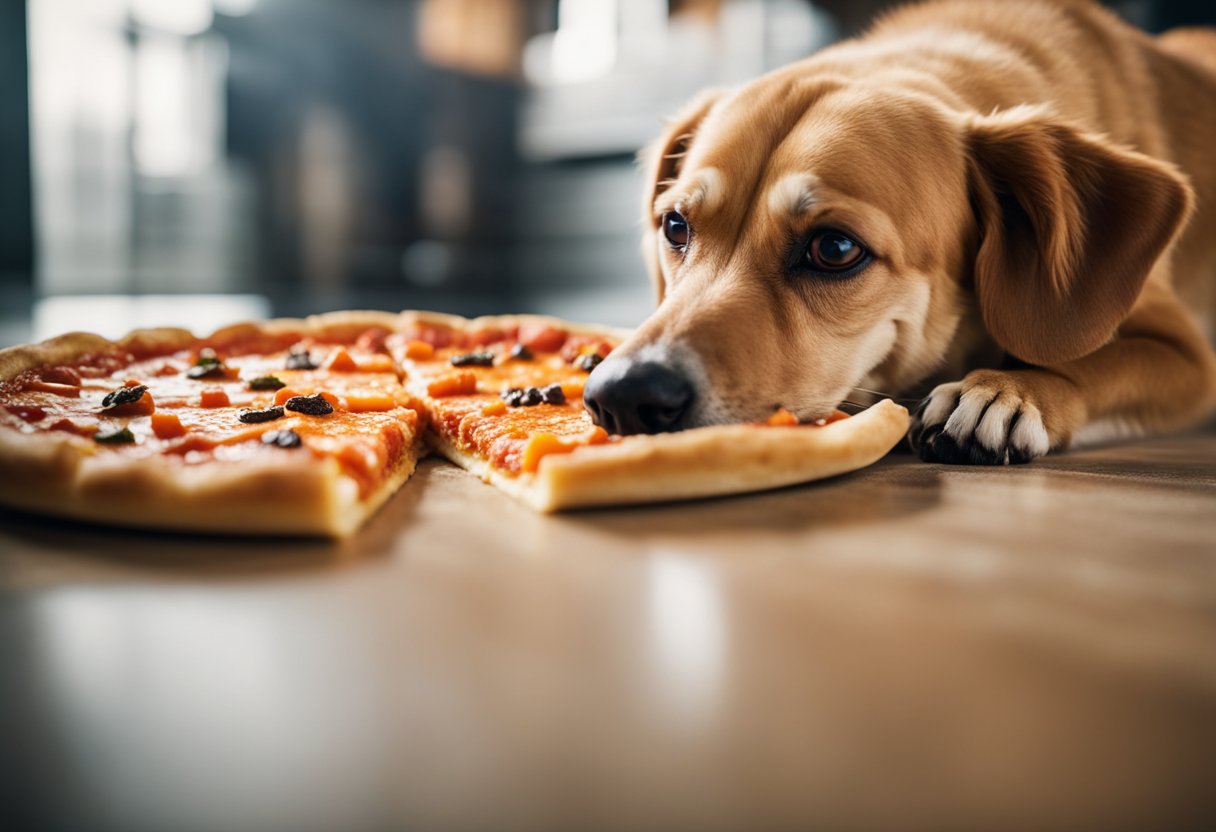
x=466 y=155
x=16 y=221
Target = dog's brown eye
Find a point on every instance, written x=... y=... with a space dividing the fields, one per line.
x=675 y=229
x=831 y=251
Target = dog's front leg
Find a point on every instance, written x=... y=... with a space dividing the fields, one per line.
x=1158 y=374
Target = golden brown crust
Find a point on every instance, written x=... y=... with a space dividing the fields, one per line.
x=297 y=494
x=58 y=350
x=489 y=322
x=702 y=462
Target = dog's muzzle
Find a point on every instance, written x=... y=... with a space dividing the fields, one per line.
x=637 y=397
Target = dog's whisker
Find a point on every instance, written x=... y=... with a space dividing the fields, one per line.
x=885 y=395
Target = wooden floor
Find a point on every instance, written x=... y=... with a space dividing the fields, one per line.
x=909 y=647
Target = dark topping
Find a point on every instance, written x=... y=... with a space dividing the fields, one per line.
x=207 y=365
x=281 y=438
x=253 y=417
x=532 y=396
x=588 y=362
x=124 y=395
x=114 y=436
x=266 y=383
x=473 y=359
x=521 y=352
x=315 y=405
x=300 y=360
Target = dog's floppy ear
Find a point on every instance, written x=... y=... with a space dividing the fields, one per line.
x=661 y=160
x=1070 y=226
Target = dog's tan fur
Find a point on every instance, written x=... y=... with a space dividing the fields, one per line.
x=1037 y=184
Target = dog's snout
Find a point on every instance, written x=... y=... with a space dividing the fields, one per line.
x=646 y=397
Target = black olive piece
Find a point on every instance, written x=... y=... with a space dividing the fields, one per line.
x=473 y=359
x=124 y=395
x=281 y=438
x=266 y=383
x=300 y=360
x=315 y=405
x=206 y=368
x=553 y=394
x=513 y=396
x=588 y=362
x=114 y=436
x=532 y=396
x=521 y=352
x=253 y=417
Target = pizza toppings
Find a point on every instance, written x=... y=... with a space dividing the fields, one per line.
x=542 y=337
x=532 y=396
x=281 y=438
x=167 y=426
x=316 y=405
x=123 y=395
x=253 y=417
x=209 y=365
x=553 y=394
x=340 y=361
x=266 y=383
x=473 y=359
x=213 y=397
x=70 y=391
x=419 y=351
x=781 y=418
x=520 y=352
x=300 y=360
x=114 y=436
x=588 y=362
x=60 y=375
x=522 y=397
x=27 y=413
x=453 y=384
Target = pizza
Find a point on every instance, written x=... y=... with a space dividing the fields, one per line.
x=306 y=427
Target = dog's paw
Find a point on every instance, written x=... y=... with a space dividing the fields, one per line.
x=985 y=419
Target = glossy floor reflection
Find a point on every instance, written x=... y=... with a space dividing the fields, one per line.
x=910 y=646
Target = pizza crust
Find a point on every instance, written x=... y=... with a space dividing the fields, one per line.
x=701 y=462
x=295 y=495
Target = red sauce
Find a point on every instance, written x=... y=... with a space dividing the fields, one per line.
x=68 y=426
x=60 y=375
x=28 y=412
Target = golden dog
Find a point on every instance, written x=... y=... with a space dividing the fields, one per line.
x=1013 y=201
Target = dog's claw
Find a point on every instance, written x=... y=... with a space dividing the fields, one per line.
x=977 y=424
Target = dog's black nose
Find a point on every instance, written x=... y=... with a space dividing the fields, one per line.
x=642 y=398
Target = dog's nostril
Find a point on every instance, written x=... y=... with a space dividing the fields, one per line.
x=641 y=398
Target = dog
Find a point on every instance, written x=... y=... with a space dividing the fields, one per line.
x=1008 y=205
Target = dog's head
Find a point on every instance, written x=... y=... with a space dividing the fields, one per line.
x=811 y=234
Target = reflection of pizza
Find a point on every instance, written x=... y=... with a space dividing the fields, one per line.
x=307 y=426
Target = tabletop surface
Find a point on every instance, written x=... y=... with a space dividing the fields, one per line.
x=908 y=646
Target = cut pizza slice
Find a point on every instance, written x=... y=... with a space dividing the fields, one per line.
x=504 y=400
x=284 y=427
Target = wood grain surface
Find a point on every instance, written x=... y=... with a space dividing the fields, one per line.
x=908 y=647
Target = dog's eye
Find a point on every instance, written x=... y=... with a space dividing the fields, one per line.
x=831 y=251
x=676 y=230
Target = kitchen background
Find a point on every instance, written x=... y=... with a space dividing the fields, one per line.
x=193 y=162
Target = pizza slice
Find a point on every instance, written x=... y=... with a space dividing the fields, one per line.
x=285 y=427
x=503 y=397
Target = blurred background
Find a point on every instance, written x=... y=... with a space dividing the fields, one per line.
x=192 y=162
